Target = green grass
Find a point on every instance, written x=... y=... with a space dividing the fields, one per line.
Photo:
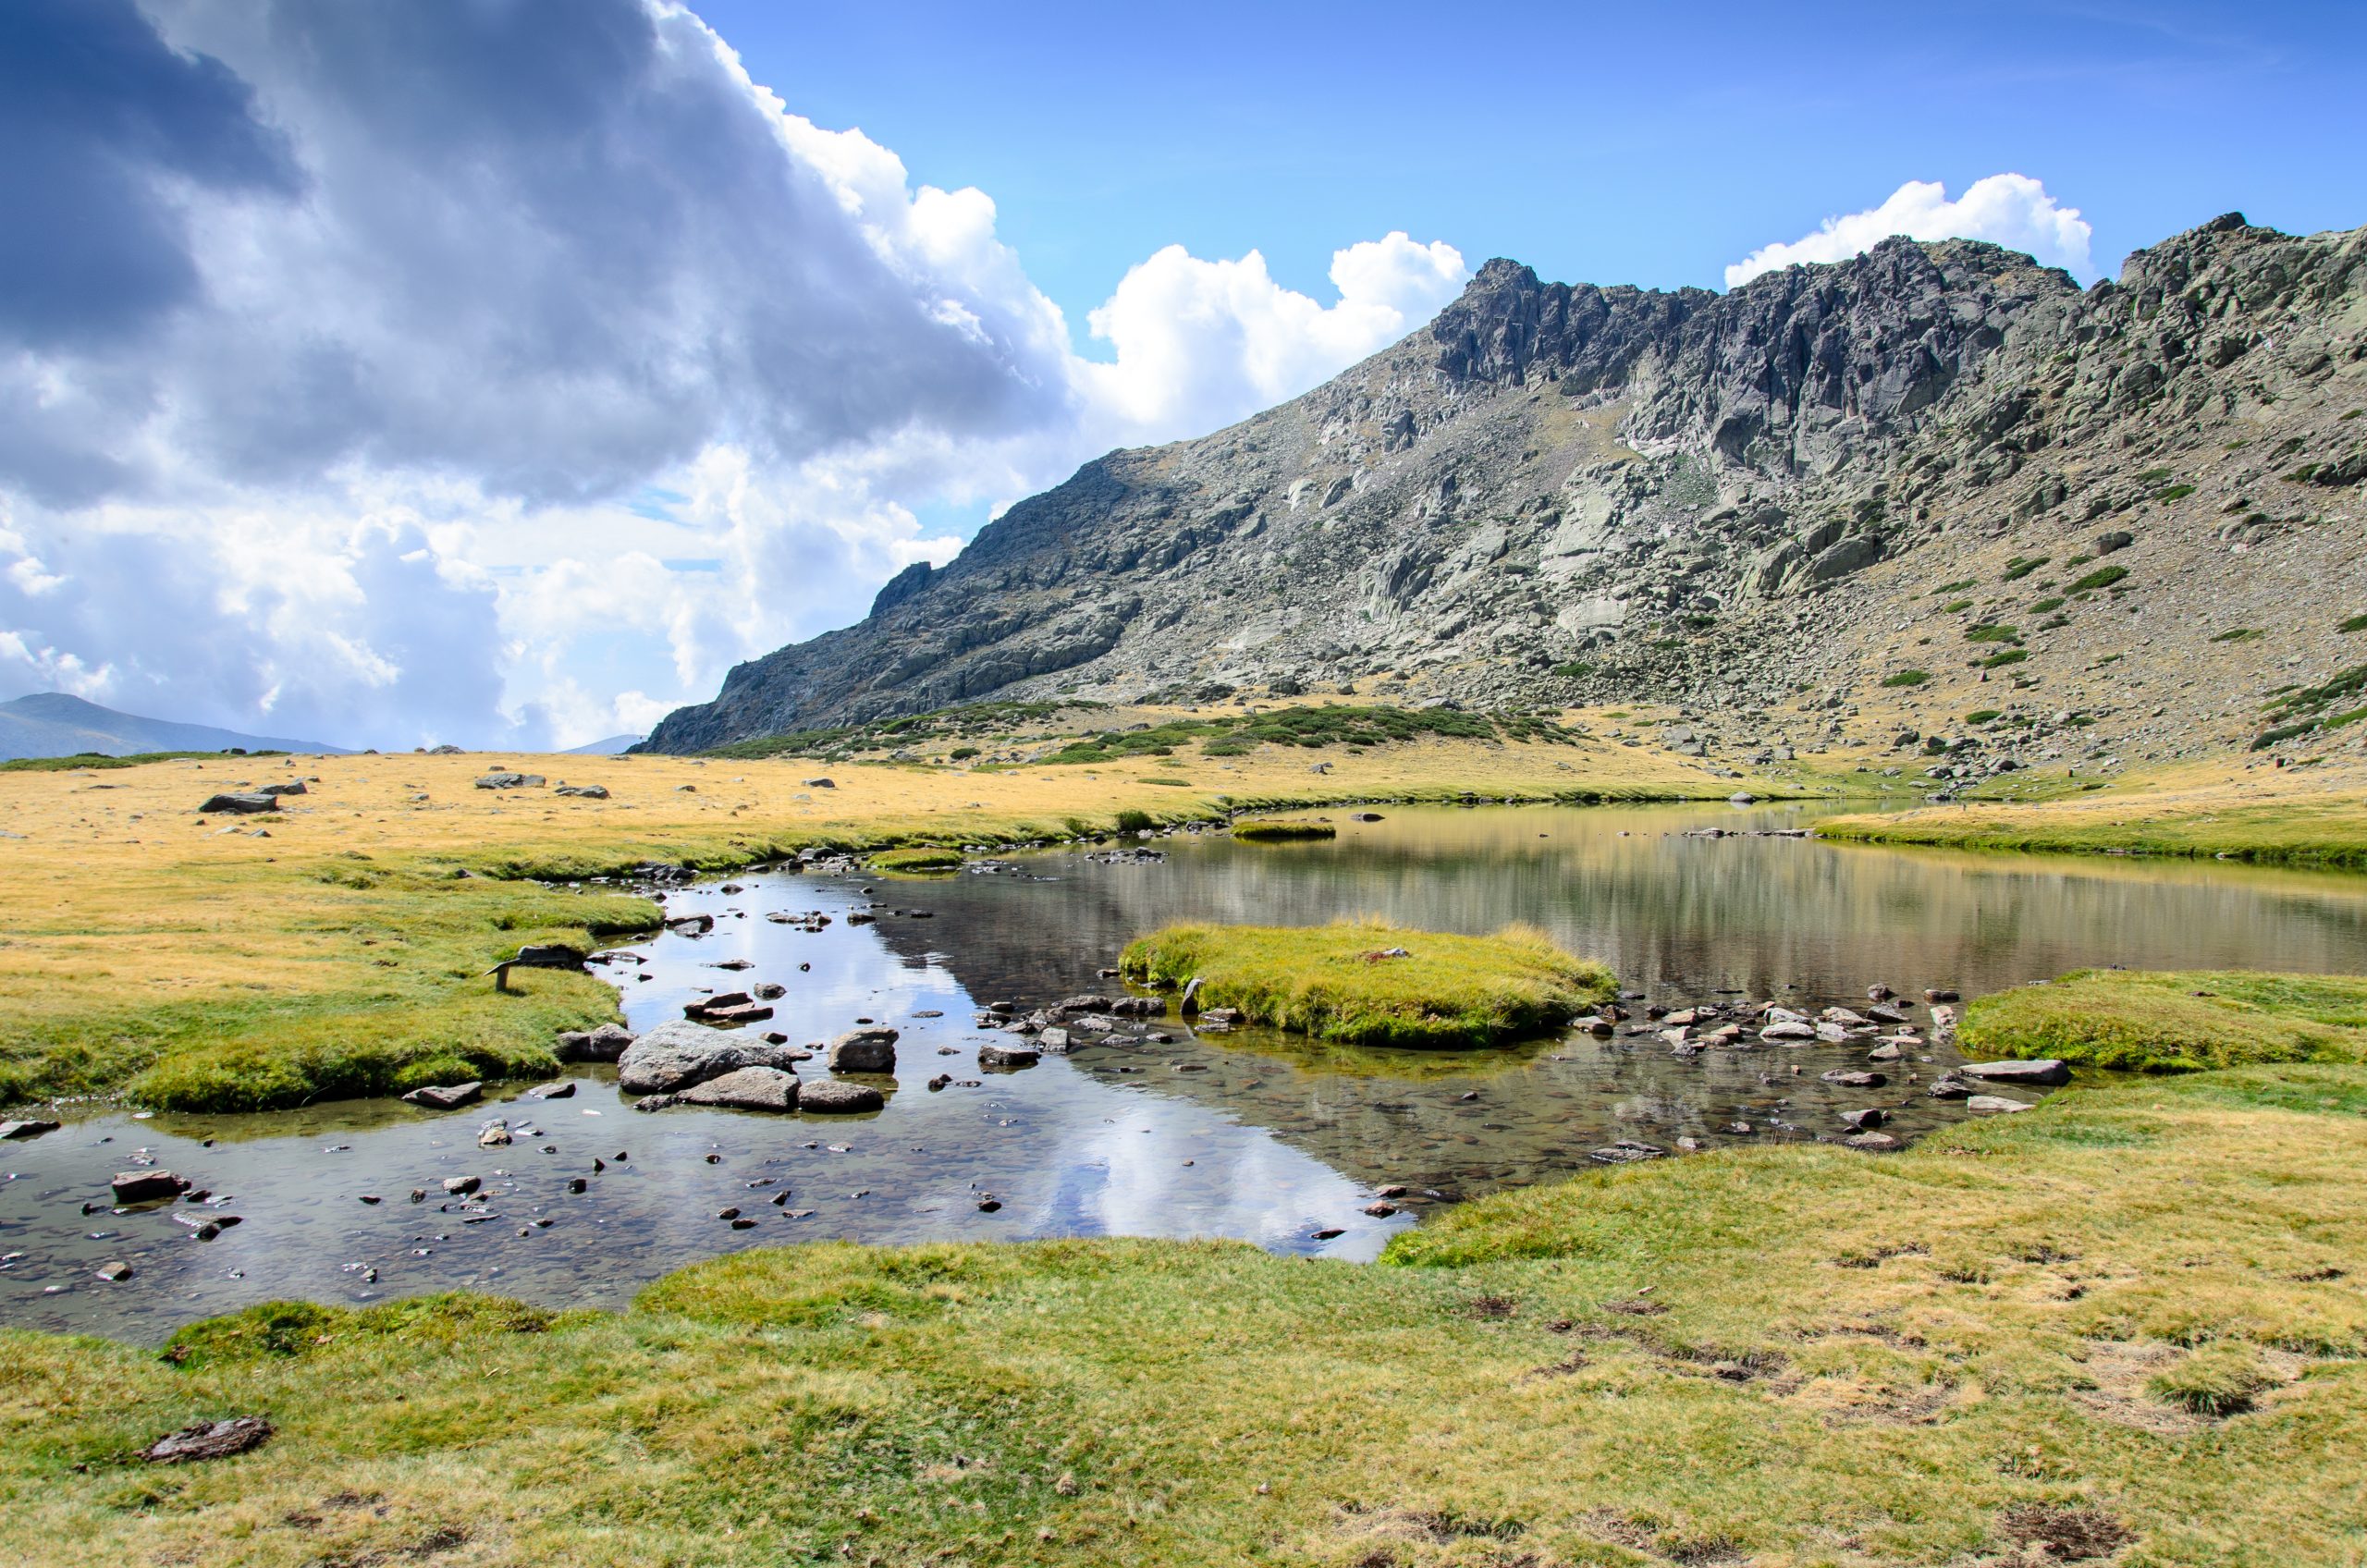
x=2022 y=566
x=1329 y=981
x=426 y=1013
x=1907 y=678
x=2011 y=656
x=2356 y=623
x=2218 y=1380
x=920 y=857
x=2174 y=1021
x=2302 y=710
x=1991 y=633
x=1980 y=716
x=1284 y=830
x=96 y=760
x=2102 y=577
x=1856 y=1361
x=2331 y=831
x=2240 y=634
x=2173 y=492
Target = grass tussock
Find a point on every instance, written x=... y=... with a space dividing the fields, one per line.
x=2017 y=1357
x=2175 y=1021
x=1345 y=982
x=1284 y=830
x=918 y=858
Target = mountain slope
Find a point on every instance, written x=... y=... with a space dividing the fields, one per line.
x=52 y=723
x=1741 y=505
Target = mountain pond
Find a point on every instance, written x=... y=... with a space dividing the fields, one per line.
x=1251 y=1134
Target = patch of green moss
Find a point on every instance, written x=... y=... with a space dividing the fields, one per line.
x=1371 y=983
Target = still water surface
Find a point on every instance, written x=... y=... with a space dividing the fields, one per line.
x=1251 y=1134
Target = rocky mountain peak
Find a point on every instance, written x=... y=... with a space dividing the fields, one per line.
x=1741 y=503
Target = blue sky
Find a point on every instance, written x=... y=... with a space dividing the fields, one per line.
x=1599 y=144
x=504 y=372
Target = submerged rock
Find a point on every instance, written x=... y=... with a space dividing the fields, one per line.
x=836 y=1096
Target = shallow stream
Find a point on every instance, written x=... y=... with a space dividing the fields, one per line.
x=1249 y=1134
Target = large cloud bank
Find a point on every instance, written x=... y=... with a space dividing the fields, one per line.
x=2011 y=210
x=442 y=370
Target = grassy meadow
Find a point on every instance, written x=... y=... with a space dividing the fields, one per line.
x=334 y=947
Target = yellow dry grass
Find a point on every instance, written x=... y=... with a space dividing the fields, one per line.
x=137 y=930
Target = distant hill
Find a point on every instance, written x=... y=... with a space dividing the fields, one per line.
x=51 y=723
x=615 y=745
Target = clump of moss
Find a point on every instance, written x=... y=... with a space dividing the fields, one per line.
x=2102 y=577
x=920 y=857
x=1283 y=830
x=1907 y=678
x=2175 y=1021
x=1362 y=982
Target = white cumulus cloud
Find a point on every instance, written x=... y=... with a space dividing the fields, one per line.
x=1199 y=343
x=472 y=371
x=2011 y=210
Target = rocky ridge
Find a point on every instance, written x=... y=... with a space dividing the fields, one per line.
x=1845 y=503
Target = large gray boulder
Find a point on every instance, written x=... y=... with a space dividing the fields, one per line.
x=863 y=1050
x=674 y=1056
x=746 y=1088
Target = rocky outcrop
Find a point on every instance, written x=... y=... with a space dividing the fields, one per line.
x=1739 y=503
x=675 y=1056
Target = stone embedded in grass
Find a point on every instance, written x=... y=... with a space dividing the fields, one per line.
x=1449 y=991
x=2044 y=1071
x=446 y=1097
x=1993 y=1104
x=237 y=804
x=208 y=1439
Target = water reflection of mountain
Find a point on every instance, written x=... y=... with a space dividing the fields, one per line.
x=1677 y=916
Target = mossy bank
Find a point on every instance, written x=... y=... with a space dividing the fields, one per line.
x=1367 y=982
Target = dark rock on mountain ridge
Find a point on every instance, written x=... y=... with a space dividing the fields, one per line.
x=1563 y=494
